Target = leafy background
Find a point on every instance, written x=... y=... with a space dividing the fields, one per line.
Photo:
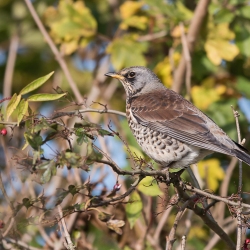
x=99 y=36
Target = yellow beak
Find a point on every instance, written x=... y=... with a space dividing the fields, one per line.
x=115 y=75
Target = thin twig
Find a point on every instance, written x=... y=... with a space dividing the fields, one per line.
x=21 y=243
x=193 y=32
x=220 y=210
x=183 y=242
x=8 y=75
x=69 y=243
x=100 y=111
x=204 y=215
x=187 y=57
x=161 y=223
x=212 y=242
x=239 y=210
x=55 y=51
x=152 y=36
x=171 y=238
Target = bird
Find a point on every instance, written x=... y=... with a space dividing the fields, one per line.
x=169 y=128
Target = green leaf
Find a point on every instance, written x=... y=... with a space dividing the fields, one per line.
x=46 y=176
x=243 y=86
x=44 y=97
x=242 y=37
x=60 y=195
x=224 y=16
x=22 y=109
x=70 y=22
x=104 y=132
x=49 y=172
x=126 y=52
x=34 y=140
x=42 y=125
x=12 y=105
x=244 y=11
x=149 y=187
x=35 y=84
x=133 y=208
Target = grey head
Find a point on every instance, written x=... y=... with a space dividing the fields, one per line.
x=137 y=80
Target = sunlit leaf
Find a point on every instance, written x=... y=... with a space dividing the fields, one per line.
x=35 y=84
x=133 y=208
x=218 y=44
x=211 y=171
x=126 y=52
x=164 y=69
x=49 y=172
x=129 y=8
x=136 y=152
x=22 y=109
x=45 y=97
x=149 y=187
x=12 y=105
x=70 y=22
x=139 y=22
x=207 y=93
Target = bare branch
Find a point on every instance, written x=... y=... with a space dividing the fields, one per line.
x=8 y=75
x=55 y=51
x=194 y=29
x=69 y=243
x=171 y=238
x=187 y=57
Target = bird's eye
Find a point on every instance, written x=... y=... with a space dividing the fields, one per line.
x=131 y=74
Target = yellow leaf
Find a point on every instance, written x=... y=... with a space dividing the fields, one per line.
x=136 y=152
x=176 y=32
x=211 y=171
x=129 y=8
x=69 y=47
x=69 y=23
x=221 y=89
x=149 y=187
x=206 y=94
x=126 y=51
x=218 y=44
x=220 y=49
x=12 y=105
x=139 y=22
x=164 y=69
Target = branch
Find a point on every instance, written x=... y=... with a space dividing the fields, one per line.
x=8 y=75
x=153 y=36
x=55 y=51
x=194 y=29
x=187 y=57
x=69 y=243
x=203 y=214
x=171 y=238
x=100 y=111
x=121 y=197
x=21 y=243
x=239 y=210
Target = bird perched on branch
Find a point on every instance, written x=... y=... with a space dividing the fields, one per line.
x=170 y=129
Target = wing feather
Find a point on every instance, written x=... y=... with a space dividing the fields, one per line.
x=167 y=112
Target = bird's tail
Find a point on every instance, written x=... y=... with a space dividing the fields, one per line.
x=242 y=155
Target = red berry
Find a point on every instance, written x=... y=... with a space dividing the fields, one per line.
x=247 y=241
x=4 y=131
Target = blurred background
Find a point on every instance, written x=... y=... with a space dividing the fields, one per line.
x=98 y=36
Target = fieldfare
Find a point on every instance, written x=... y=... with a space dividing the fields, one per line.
x=170 y=129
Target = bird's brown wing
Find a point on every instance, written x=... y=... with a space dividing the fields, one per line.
x=167 y=112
